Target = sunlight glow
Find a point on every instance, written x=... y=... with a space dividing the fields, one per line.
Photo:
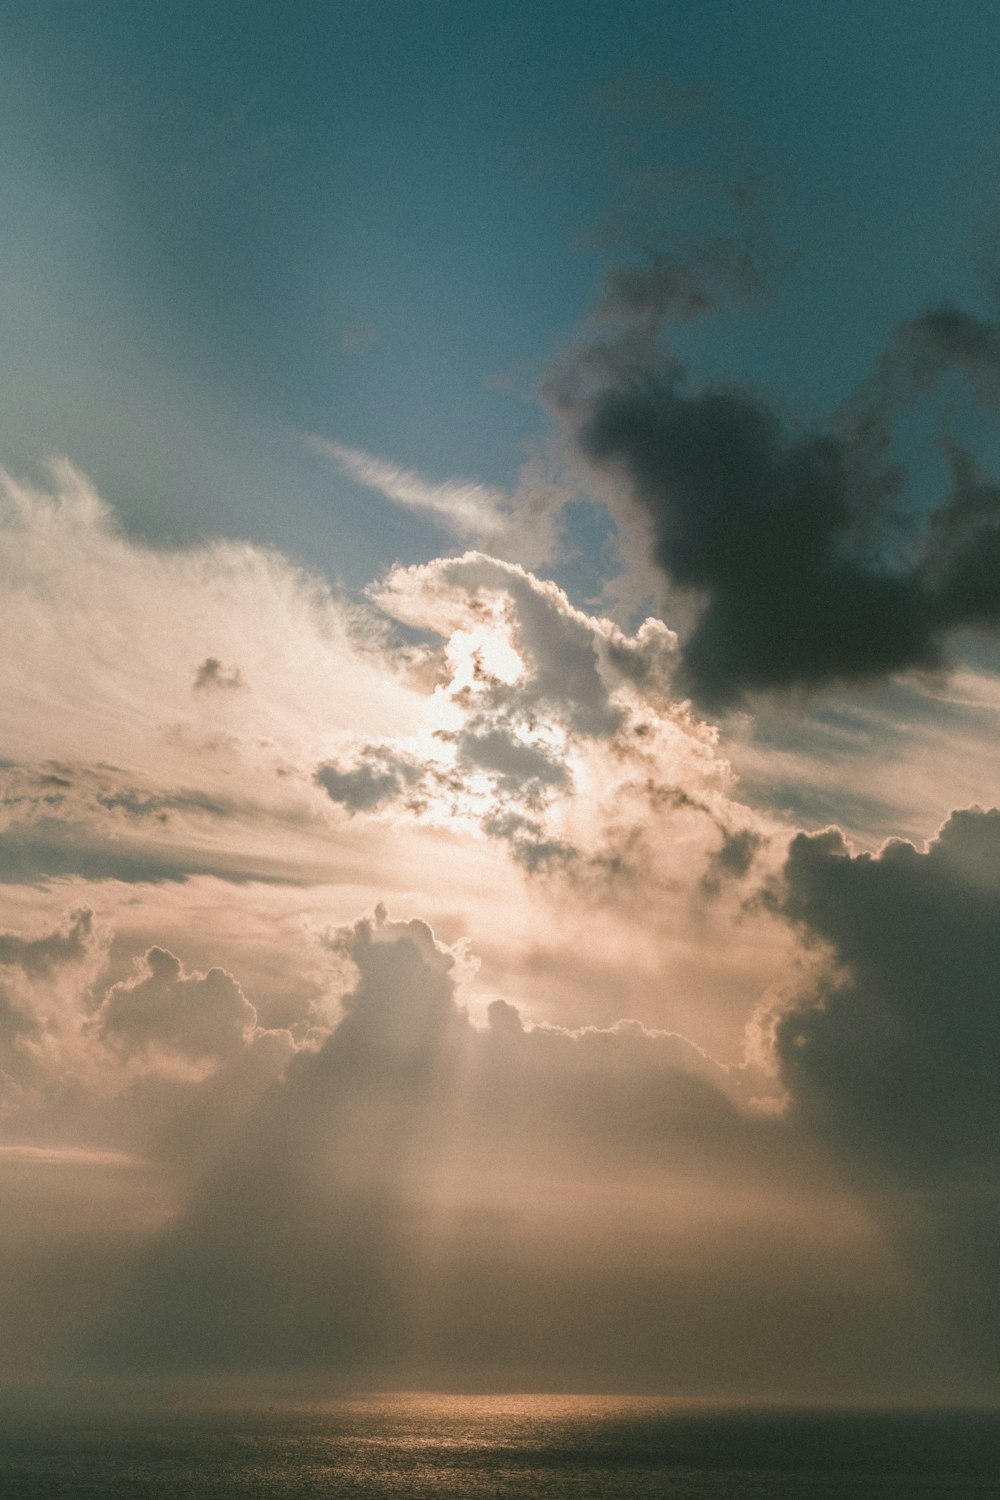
x=482 y=652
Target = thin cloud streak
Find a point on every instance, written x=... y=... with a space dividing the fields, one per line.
x=461 y=505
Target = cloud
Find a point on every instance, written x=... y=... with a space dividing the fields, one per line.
x=465 y=507
x=144 y=779
x=422 y=1193
x=890 y=1056
x=109 y=630
x=683 y=285
x=42 y=979
x=519 y=767
x=202 y=1017
x=381 y=776
x=574 y=662
x=521 y=523
x=805 y=554
x=67 y=1156
x=38 y=957
x=733 y=859
x=212 y=675
x=761 y=527
x=566 y=739
x=525 y=707
x=97 y=822
x=121 y=757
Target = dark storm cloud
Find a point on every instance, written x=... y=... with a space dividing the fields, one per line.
x=892 y=1058
x=808 y=555
x=761 y=528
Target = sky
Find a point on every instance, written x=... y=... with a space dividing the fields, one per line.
x=500 y=542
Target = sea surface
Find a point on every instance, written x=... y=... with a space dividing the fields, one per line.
x=425 y=1447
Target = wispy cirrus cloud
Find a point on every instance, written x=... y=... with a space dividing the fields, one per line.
x=462 y=505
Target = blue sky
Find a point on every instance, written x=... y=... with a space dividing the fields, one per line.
x=231 y=225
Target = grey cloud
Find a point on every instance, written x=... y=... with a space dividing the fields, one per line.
x=580 y=678
x=33 y=998
x=528 y=843
x=29 y=963
x=809 y=559
x=891 y=1058
x=522 y=775
x=561 y=651
x=203 y=1017
x=30 y=794
x=514 y=763
x=49 y=850
x=762 y=528
x=381 y=776
x=312 y=1276
x=414 y=1197
x=212 y=676
x=733 y=858
x=164 y=1064
x=94 y=821
x=964 y=556
x=38 y=957
x=159 y=805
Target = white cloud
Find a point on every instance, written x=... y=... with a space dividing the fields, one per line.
x=522 y=769
x=397 y=1191
x=461 y=505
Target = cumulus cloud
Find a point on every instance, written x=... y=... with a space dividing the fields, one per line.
x=514 y=763
x=565 y=736
x=891 y=1056
x=203 y=1017
x=535 y=770
x=434 y=1194
x=145 y=1064
x=574 y=661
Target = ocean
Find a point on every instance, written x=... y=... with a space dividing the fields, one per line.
x=521 y=1447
